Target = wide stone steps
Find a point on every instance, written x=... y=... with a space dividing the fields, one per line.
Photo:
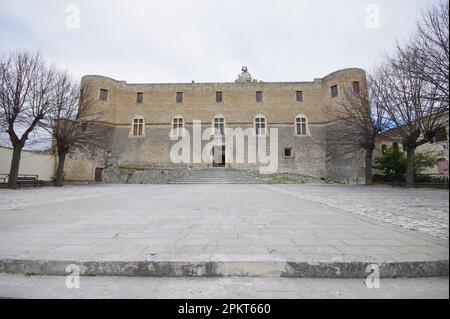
x=217 y=176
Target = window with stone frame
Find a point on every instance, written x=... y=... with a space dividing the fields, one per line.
x=139 y=97
x=179 y=97
x=260 y=125
x=334 y=91
x=219 y=97
x=259 y=96
x=288 y=152
x=395 y=146
x=103 y=95
x=356 y=88
x=299 y=96
x=301 y=125
x=138 y=127
x=177 y=126
x=219 y=125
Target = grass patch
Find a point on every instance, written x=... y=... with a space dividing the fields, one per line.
x=286 y=178
x=330 y=181
x=128 y=167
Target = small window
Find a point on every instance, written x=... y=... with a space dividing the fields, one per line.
x=356 y=89
x=260 y=125
x=219 y=97
x=441 y=135
x=179 y=97
x=383 y=149
x=139 y=97
x=288 y=152
x=84 y=126
x=103 y=95
x=395 y=146
x=334 y=91
x=301 y=125
x=138 y=127
x=299 y=96
x=259 y=96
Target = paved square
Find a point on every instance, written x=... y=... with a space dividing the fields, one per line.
x=128 y=222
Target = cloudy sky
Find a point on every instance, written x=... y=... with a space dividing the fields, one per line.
x=208 y=40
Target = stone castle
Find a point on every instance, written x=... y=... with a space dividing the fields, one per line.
x=142 y=119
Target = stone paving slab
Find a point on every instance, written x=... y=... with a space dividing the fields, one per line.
x=240 y=224
x=19 y=286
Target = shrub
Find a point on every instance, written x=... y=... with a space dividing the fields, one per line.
x=392 y=164
x=423 y=179
x=424 y=161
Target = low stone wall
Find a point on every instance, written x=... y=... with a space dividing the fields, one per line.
x=116 y=175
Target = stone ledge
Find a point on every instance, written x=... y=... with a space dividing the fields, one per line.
x=246 y=267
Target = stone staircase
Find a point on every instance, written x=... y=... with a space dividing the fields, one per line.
x=217 y=175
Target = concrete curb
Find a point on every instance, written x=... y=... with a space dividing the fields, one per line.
x=223 y=268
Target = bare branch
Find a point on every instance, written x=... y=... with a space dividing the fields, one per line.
x=74 y=122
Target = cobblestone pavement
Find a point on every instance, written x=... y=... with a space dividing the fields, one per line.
x=422 y=210
x=318 y=222
x=19 y=286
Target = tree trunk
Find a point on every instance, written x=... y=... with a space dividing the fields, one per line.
x=59 y=180
x=368 y=168
x=410 y=167
x=14 y=170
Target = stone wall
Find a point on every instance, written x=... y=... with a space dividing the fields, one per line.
x=148 y=175
x=342 y=163
x=31 y=163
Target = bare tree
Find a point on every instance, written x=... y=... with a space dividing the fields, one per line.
x=74 y=121
x=26 y=86
x=412 y=103
x=363 y=120
x=413 y=84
